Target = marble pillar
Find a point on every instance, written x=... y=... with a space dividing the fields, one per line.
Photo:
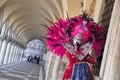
x=56 y=68
x=16 y=54
x=2 y=51
x=10 y=54
x=21 y=55
x=111 y=57
x=13 y=55
x=1 y=42
x=7 y=53
x=48 y=64
x=12 y=51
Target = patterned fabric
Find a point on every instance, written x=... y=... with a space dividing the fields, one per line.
x=73 y=60
x=81 y=72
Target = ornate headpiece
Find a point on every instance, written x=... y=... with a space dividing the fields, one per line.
x=63 y=35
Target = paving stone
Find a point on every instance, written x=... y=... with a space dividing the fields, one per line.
x=20 y=71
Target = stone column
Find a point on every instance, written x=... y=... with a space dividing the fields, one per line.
x=56 y=68
x=13 y=54
x=2 y=51
x=99 y=8
x=2 y=34
x=7 y=53
x=110 y=68
x=48 y=64
x=16 y=54
x=63 y=65
x=10 y=54
x=21 y=55
x=0 y=42
x=61 y=71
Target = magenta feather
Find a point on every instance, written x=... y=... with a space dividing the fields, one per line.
x=90 y=30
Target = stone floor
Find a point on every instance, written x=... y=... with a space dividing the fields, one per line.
x=20 y=71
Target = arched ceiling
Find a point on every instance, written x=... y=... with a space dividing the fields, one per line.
x=25 y=16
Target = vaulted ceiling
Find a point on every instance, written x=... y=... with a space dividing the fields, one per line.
x=26 y=17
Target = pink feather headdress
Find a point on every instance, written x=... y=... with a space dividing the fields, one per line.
x=60 y=35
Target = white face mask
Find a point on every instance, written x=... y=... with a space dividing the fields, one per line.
x=77 y=38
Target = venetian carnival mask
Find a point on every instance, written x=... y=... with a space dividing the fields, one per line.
x=65 y=34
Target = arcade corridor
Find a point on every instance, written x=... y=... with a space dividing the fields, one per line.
x=23 y=21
